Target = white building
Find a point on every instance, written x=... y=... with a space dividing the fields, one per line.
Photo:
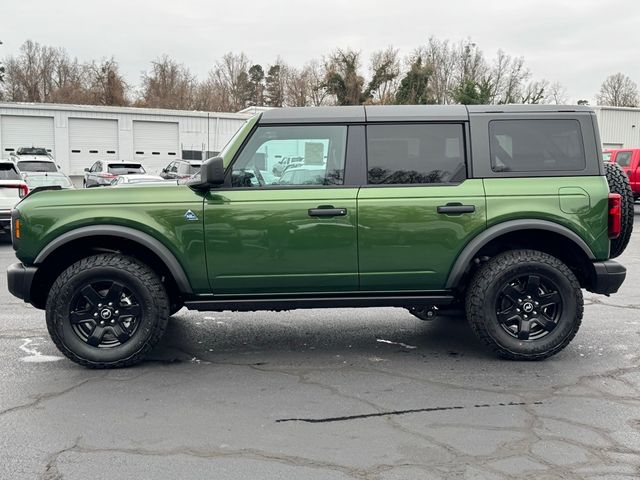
x=78 y=135
x=619 y=126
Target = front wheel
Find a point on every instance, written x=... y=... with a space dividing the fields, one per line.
x=525 y=305
x=107 y=311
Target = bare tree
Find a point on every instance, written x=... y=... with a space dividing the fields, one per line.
x=318 y=93
x=168 y=84
x=556 y=94
x=106 y=83
x=231 y=76
x=618 y=90
x=297 y=87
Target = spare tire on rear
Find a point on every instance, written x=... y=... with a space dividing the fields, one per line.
x=619 y=183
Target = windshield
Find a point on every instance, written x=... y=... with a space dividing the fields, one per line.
x=125 y=168
x=231 y=144
x=36 y=166
x=8 y=172
x=35 y=181
x=32 y=151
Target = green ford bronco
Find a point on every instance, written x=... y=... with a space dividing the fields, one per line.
x=499 y=213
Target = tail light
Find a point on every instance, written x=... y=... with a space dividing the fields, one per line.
x=615 y=215
x=110 y=176
x=23 y=190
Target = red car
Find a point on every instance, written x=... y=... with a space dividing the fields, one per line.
x=629 y=160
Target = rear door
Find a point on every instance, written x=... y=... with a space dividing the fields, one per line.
x=267 y=236
x=418 y=209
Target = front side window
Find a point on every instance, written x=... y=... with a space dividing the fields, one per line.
x=319 y=151
x=420 y=154
x=536 y=145
x=623 y=159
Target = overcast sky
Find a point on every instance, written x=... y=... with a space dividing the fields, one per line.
x=577 y=43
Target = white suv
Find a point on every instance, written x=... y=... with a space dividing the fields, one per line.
x=12 y=190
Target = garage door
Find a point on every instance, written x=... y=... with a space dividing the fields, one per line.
x=25 y=131
x=155 y=144
x=91 y=140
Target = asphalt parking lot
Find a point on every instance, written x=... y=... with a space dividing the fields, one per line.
x=365 y=394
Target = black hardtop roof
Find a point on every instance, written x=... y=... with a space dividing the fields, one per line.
x=401 y=113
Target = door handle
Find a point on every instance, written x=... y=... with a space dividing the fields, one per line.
x=327 y=211
x=456 y=209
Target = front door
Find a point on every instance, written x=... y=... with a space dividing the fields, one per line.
x=289 y=233
x=418 y=210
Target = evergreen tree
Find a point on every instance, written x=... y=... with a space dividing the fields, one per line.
x=414 y=87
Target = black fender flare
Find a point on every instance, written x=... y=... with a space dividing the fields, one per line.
x=473 y=247
x=128 y=233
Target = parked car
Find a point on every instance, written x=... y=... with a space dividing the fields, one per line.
x=286 y=162
x=34 y=159
x=102 y=173
x=303 y=175
x=12 y=189
x=46 y=179
x=629 y=160
x=137 y=179
x=181 y=169
x=500 y=215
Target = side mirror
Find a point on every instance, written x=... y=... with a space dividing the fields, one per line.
x=86 y=169
x=211 y=174
x=164 y=170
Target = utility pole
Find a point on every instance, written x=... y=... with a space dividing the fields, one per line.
x=1 y=69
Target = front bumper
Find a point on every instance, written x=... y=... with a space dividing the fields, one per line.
x=20 y=279
x=607 y=277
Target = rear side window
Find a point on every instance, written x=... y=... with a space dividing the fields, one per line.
x=125 y=168
x=623 y=159
x=536 y=145
x=418 y=154
x=8 y=172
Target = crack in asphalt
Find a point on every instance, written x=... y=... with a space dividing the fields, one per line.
x=248 y=453
x=400 y=412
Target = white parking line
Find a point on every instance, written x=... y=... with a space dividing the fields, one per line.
x=34 y=355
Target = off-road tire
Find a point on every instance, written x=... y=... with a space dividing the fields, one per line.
x=482 y=296
x=152 y=299
x=619 y=183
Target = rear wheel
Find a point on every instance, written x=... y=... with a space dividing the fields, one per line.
x=619 y=183
x=525 y=305
x=107 y=311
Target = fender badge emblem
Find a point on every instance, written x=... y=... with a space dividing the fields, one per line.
x=190 y=216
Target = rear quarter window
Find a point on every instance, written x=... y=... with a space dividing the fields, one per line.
x=536 y=145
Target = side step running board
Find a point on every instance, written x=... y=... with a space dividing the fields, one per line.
x=292 y=303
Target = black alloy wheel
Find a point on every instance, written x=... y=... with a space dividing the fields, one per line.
x=105 y=314
x=529 y=307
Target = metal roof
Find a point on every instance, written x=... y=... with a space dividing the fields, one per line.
x=314 y=115
x=407 y=113
x=400 y=113
x=527 y=108
x=121 y=110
